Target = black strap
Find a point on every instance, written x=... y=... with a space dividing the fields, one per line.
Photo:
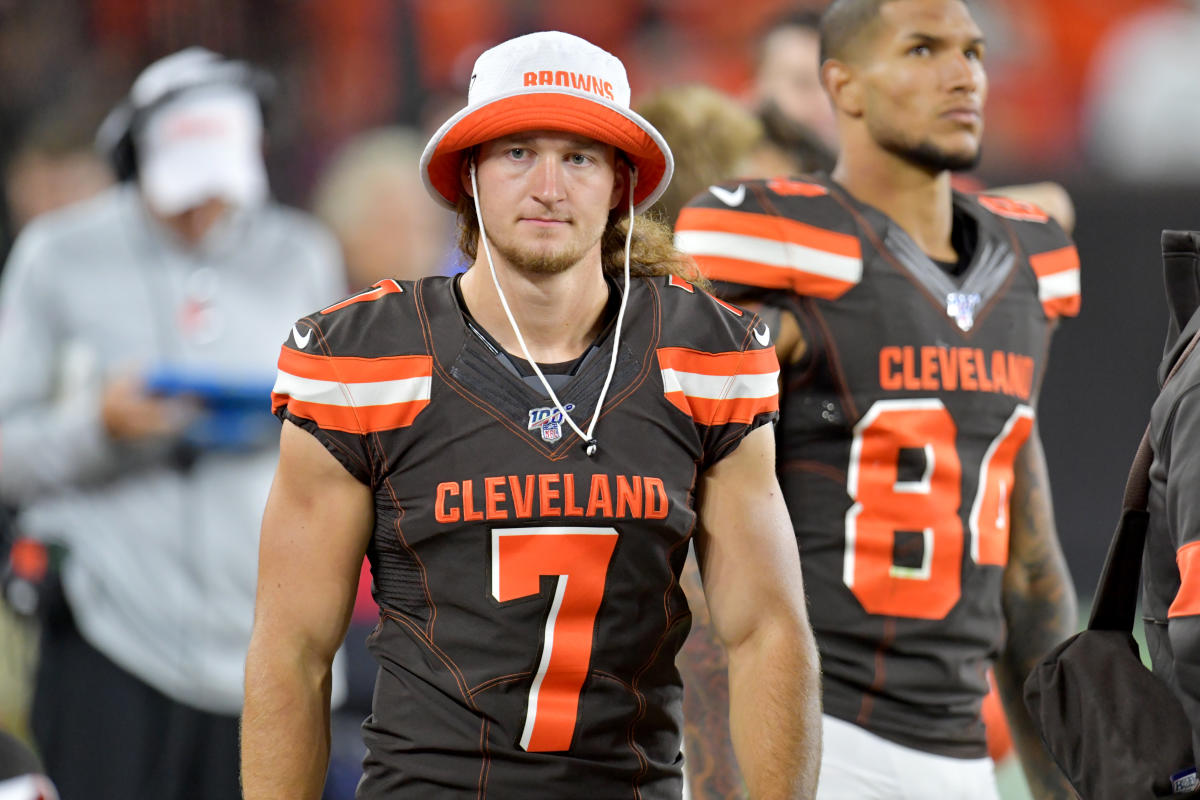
x=1115 y=602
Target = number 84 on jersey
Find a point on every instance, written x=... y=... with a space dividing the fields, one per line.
x=890 y=510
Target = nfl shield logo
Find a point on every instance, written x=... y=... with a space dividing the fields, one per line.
x=549 y=420
x=962 y=307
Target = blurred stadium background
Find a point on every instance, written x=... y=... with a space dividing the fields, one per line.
x=1099 y=95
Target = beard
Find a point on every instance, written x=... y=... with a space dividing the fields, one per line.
x=927 y=155
x=541 y=262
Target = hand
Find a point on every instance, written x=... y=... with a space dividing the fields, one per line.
x=130 y=414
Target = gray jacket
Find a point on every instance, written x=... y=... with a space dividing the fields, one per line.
x=1171 y=562
x=162 y=557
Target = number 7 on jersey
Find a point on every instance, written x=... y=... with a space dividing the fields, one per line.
x=578 y=558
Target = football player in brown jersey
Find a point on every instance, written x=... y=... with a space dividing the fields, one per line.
x=524 y=453
x=913 y=324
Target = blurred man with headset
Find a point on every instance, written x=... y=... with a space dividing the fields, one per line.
x=125 y=323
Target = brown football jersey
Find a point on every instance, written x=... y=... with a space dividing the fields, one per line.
x=899 y=429
x=529 y=596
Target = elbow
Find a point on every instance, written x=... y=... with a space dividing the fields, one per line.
x=282 y=649
x=810 y=656
x=788 y=636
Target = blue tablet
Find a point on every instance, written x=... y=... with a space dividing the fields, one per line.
x=212 y=388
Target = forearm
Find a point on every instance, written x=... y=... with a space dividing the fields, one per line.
x=775 y=709
x=1045 y=779
x=315 y=528
x=710 y=766
x=1040 y=610
x=48 y=448
x=755 y=591
x=285 y=726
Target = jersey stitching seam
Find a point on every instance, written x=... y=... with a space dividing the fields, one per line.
x=775 y=215
x=345 y=390
x=485 y=768
x=835 y=366
x=427 y=337
x=644 y=762
x=721 y=441
x=865 y=230
x=499 y=679
x=448 y=662
x=462 y=391
x=399 y=532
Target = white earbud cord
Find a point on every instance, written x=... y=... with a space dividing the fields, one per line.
x=589 y=441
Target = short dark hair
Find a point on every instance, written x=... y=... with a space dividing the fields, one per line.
x=843 y=23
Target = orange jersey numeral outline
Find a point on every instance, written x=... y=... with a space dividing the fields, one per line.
x=578 y=558
x=883 y=505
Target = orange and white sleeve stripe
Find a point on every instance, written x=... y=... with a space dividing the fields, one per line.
x=720 y=388
x=350 y=394
x=1058 y=281
x=770 y=251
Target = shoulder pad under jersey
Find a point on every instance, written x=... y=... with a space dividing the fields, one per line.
x=781 y=233
x=352 y=326
x=358 y=366
x=1052 y=254
x=718 y=363
x=697 y=320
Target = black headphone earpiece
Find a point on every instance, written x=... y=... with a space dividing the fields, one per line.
x=117 y=135
x=115 y=141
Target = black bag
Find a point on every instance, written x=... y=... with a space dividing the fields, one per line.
x=1116 y=731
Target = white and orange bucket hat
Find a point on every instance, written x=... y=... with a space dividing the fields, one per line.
x=548 y=81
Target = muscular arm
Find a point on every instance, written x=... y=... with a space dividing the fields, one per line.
x=752 y=582
x=1039 y=608
x=315 y=530
x=712 y=772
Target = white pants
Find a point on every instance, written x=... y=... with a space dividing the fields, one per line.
x=858 y=765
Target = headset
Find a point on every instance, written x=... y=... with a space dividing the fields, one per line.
x=164 y=81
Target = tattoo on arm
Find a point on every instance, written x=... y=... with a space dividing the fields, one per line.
x=710 y=766
x=1040 y=612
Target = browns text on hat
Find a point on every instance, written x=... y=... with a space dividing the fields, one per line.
x=548 y=81
x=207 y=143
x=586 y=83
